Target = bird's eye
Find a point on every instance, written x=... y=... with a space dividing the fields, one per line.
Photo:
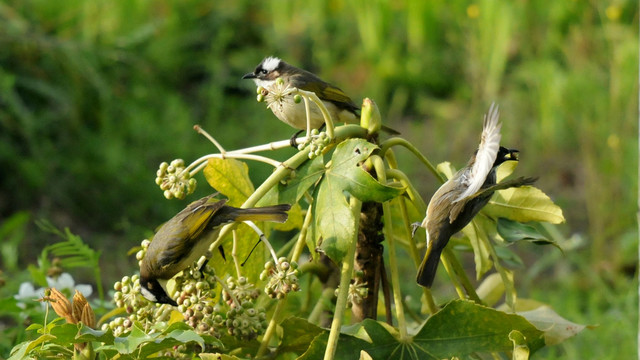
x=264 y=72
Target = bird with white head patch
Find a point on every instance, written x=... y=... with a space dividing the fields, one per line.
x=459 y=199
x=339 y=105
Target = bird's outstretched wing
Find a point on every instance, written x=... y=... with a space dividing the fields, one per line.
x=486 y=155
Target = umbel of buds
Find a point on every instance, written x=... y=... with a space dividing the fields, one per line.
x=281 y=278
x=174 y=180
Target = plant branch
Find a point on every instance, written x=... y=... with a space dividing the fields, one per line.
x=378 y=164
x=394 y=141
x=343 y=290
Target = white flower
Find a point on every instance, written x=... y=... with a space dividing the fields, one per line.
x=27 y=293
x=65 y=281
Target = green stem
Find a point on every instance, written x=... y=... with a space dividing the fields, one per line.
x=446 y=262
x=323 y=109
x=411 y=190
x=271 y=328
x=302 y=239
x=345 y=279
x=510 y=295
x=422 y=208
x=402 y=142
x=325 y=298
x=462 y=275
x=378 y=164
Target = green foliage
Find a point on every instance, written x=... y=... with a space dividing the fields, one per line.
x=70 y=253
x=138 y=344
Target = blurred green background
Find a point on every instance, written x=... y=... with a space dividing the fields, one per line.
x=95 y=94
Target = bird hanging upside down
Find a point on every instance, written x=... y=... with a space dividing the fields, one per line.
x=459 y=199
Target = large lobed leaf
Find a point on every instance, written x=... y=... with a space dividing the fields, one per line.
x=335 y=221
x=231 y=178
x=460 y=329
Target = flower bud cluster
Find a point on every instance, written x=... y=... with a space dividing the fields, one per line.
x=174 y=180
x=195 y=298
x=316 y=143
x=358 y=291
x=281 y=278
x=127 y=296
x=243 y=320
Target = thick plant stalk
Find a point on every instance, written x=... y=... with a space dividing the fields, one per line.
x=345 y=280
x=369 y=260
x=393 y=260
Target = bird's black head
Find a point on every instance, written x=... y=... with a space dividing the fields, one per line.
x=268 y=69
x=505 y=154
x=154 y=292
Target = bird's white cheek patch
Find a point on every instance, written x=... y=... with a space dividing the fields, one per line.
x=148 y=295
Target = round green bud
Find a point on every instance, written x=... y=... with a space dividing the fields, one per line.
x=297 y=98
x=279 y=81
x=260 y=98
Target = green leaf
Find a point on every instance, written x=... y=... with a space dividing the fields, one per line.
x=347 y=174
x=334 y=220
x=231 y=178
x=524 y=204
x=131 y=342
x=88 y=334
x=20 y=351
x=144 y=344
x=513 y=231
x=349 y=347
x=509 y=257
x=479 y=230
x=297 y=335
x=64 y=334
x=296 y=185
x=463 y=327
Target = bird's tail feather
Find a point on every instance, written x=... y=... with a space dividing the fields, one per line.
x=276 y=213
x=429 y=266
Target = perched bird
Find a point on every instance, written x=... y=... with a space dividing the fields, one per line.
x=340 y=106
x=187 y=236
x=459 y=199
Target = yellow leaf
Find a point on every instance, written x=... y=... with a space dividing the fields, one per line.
x=524 y=204
x=231 y=178
x=506 y=169
x=478 y=231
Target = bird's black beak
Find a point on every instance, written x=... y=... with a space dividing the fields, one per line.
x=165 y=299
x=249 y=76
